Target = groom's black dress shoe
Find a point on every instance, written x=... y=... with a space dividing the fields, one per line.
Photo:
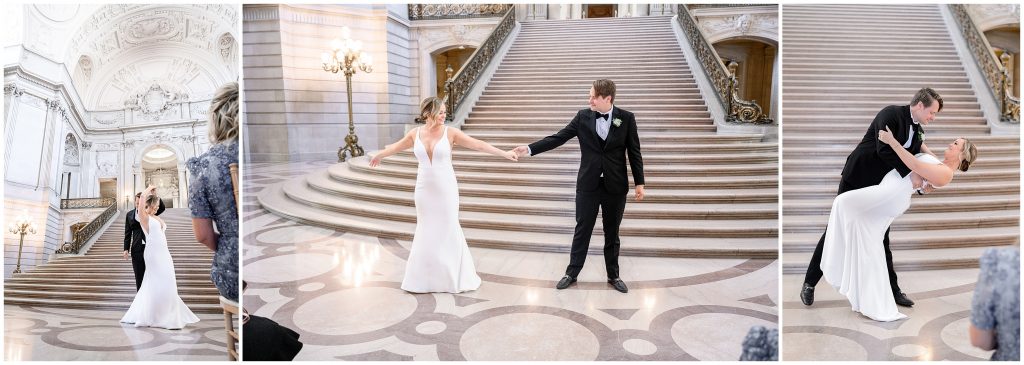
x=901 y=299
x=565 y=282
x=807 y=294
x=618 y=284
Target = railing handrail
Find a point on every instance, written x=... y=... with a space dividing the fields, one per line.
x=466 y=77
x=80 y=237
x=456 y=11
x=996 y=75
x=83 y=203
x=725 y=82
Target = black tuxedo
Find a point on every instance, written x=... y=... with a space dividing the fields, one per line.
x=867 y=165
x=607 y=157
x=133 y=241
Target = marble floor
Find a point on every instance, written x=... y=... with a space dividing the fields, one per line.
x=341 y=292
x=937 y=327
x=60 y=334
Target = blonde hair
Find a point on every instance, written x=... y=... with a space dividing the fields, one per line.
x=224 y=113
x=152 y=200
x=429 y=108
x=968 y=155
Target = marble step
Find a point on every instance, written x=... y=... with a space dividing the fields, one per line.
x=906 y=260
x=839 y=151
x=652 y=156
x=924 y=204
x=916 y=221
x=654 y=152
x=646 y=140
x=100 y=287
x=799 y=137
x=568 y=165
x=340 y=173
x=273 y=199
x=792 y=191
x=833 y=163
x=344 y=197
x=203 y=307
x=830 y=177
x=526 y=222
x=482 y=125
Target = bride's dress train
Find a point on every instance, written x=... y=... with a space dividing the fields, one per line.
x=157 y=303
x=439 y=260
x=853 y=259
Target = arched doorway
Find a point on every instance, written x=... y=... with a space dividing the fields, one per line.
x=756 y=61
x=160 y=168
x=1006 y=40
x=454 y=57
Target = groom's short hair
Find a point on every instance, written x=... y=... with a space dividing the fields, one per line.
x=604 y=88
x=138 y=195
x=927 y=96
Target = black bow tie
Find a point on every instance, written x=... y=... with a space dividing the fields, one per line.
x=600 y=115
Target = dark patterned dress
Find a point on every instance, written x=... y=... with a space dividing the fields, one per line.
x=996 y=302
x=212 y=196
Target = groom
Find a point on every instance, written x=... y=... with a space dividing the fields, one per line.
x=606 y=135
x=134 y=239
x=870 y=161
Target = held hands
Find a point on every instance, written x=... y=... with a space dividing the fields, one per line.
x=916 y=180
x=886 y=136
x=511 y=155
x=521 y=151
x=639 y=192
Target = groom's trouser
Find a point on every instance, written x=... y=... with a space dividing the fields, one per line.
x=814 y=268
x=138 y=264
x=587 y=205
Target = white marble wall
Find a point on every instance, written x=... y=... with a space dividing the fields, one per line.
x=296 y=110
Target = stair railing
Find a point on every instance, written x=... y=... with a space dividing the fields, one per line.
x=996 y=71
x=457 y=86
x=723 y=78
x=81 y=236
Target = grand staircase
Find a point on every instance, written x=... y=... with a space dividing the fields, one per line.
x=102 y=279
x=708 y=195
x=843 y=63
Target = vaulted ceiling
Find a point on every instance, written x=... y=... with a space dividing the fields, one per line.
x=116 y=51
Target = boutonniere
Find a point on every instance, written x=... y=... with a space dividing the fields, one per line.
x=617 y=122
x=920 y=134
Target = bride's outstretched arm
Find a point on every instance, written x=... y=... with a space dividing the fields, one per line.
x=461 y=139
x=938 y=175
x=403 y=144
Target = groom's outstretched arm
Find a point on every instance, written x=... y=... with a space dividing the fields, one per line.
x=887 y=118
x=161 y=208
x=636 y=160
x=553 y=141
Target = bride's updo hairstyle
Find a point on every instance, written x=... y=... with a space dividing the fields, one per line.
x=429 y=108
x=152 y=201
x=968 y=155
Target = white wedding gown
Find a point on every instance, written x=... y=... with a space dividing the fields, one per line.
x=853 y=259
x=439 y=260
x=157 y=303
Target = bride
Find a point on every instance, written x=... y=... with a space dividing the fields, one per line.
x=439 y=260
x=157 y=303
x=852 y=258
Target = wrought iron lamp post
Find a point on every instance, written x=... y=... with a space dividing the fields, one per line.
x=346 y=56
x=22 y=226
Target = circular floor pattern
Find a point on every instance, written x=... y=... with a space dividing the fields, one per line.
x=700 y=335
x=431 y=327
x=528 y=337
x=354 y=311
x=294 y=235
x=956 y=335
x=105 y=337
x=819 y=346
x=285 y=268
x=639 y=347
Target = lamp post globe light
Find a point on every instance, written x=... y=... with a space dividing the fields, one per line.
x=21 y=226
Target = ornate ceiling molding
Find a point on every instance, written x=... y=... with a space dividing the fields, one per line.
x=741 y=22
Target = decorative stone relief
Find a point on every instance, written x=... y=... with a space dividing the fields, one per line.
x=85 y=69
x=716 y=28
x=991 y=16
x=106 y=164
x=108 y=119
x=13 y=89
x=86 y=145
x=228 y=48
x=155 y=101
x=71 y=150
